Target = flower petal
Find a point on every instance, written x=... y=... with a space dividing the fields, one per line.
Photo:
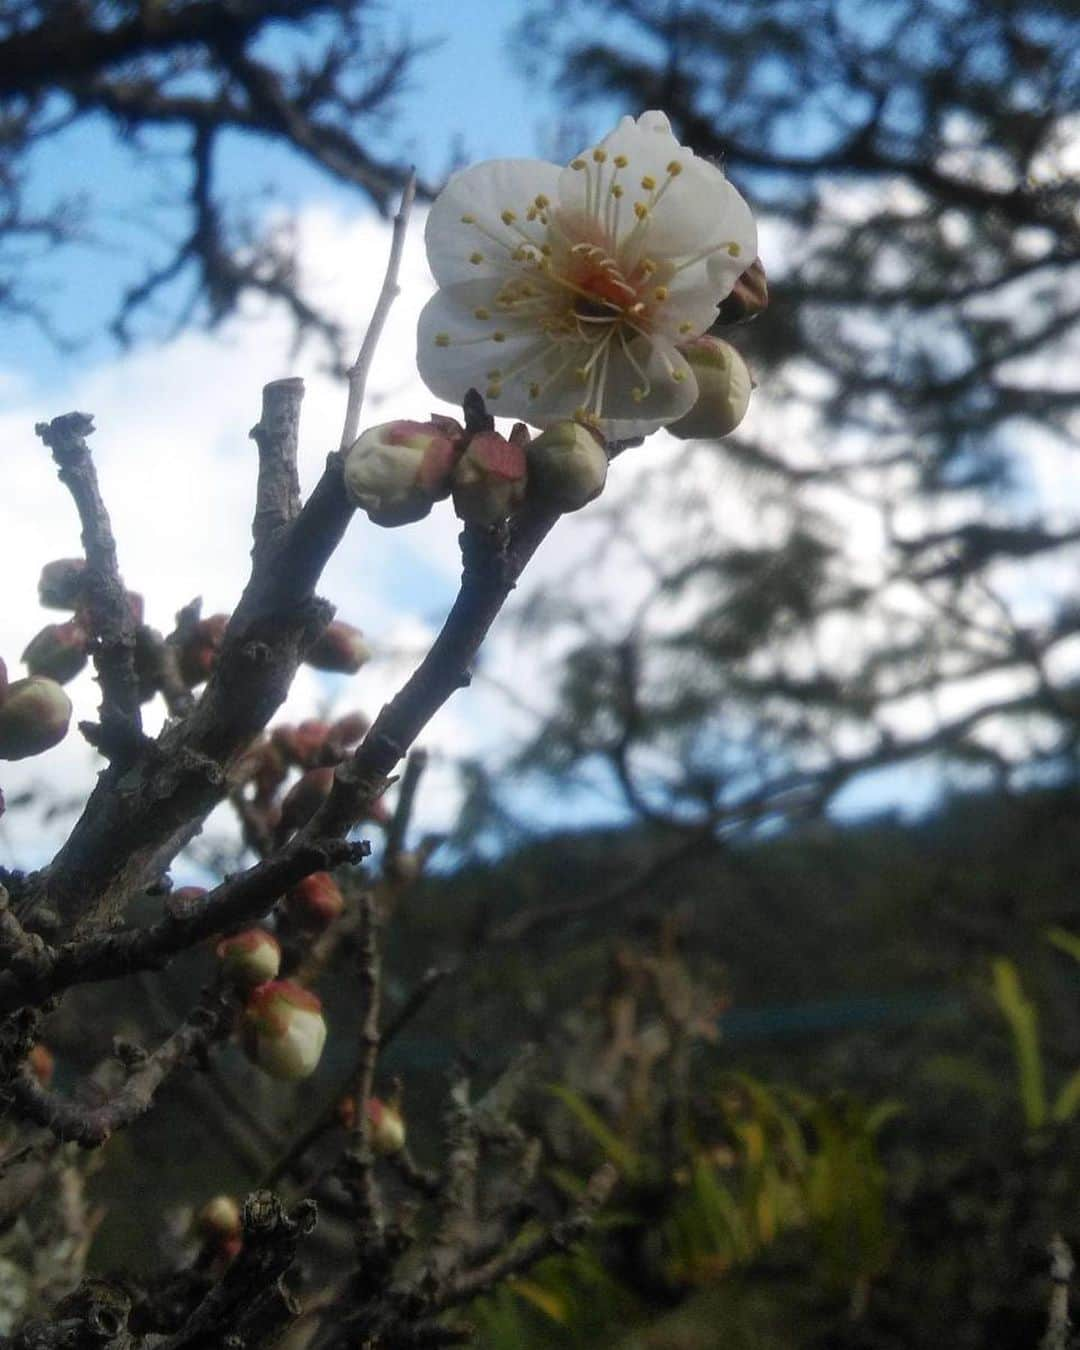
x=466 y=220
x=457 y=351
x=670 y=384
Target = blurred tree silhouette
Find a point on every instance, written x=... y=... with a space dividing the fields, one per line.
x=311 y=76
x=878 y=566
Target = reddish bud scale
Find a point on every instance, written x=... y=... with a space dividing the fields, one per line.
x=59 y=651
x=350 y=729
x=199 y=650
x=41 y=1063
x=489 y=480
x=61 y=583
x=315 y=902
x=219 y=1219
x=340 y=648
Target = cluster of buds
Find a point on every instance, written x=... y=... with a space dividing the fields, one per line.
x=339 y=648
x=397 y=471
x=282 y=1029
x=200 y=648
x=34 y=715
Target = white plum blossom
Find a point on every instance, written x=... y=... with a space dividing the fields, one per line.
x=566 y=292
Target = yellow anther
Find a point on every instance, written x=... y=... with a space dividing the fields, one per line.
x=508 y=217
x=640 y=210
x=498 y=336
x=686 y=328
x=534 y=391
x=733 y=250
x=599 y=155
x=674 y=168
x=577 y=163
x=678 y=376
x=648 y=267
x=648 y=182
x=637 y=393
x=542 y=201
x=481 y=313
x=661 y=293
x=545 y=249
x=495 y=374
x=442 y=339
x=620 y=161
x=531 y=213
x=616 y=190
x=582 y=374
x=493 y=391
x=476 y=257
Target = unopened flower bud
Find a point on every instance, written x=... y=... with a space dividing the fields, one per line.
x=396 y=471
x=302 y=745
x=61 y=583
x=58 y=651
x=340 y=648
x=200 y=648
x=282 y=1029
x=489 y=480
x=250 y=958
x=567 y=466
x=41 y=1063
x=315 y=902
x=304 y=798
x=33 y=717
x=749 y=296
x=219 y=1220
x=386 y=1126
x=724 y=385
x=350 y=729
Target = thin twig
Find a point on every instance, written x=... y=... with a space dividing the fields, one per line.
x=105 y=599
x=358 y=374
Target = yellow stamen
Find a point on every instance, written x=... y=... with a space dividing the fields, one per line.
x=648 y=182
x=577 y=163
x=508 y=217
x=620 y=161
x=661 y=293
x=599 y=156
x=640 y=210
x=442 y=339
x=476 y=257
x=498 y=336
x=674 y=168
x=468 y=220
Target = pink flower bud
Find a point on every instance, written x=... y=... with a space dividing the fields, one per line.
x=219 y=1220
x=33 y=717
x=41 y=1063
x=724 y=385
x=396 y=471
x=61 y=583
x=304 y=798
x=283 y=1030
x=199 y=650
x=250 y=958
x=489 y=481
x=302 y=745
x=567 y=466
x=315 y=902
x=386 y=1127
x=340 y=647
x=58 y=651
